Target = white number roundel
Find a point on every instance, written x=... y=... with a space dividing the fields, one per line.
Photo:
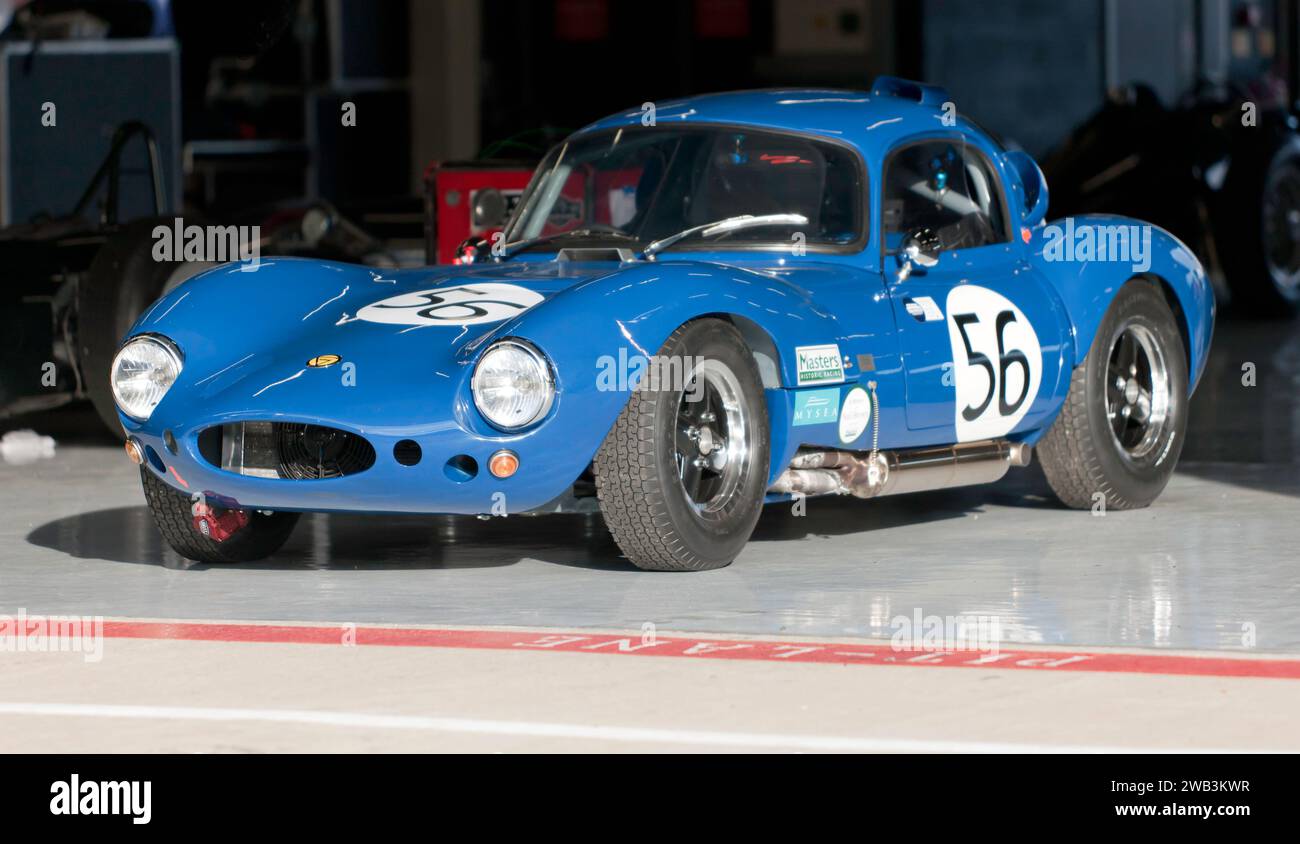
x=997 y=362
x=469 y=304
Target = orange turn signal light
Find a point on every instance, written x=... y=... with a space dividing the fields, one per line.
x=503 y=464
x=134 y=452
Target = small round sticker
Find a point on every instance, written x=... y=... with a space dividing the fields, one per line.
x=855 y=415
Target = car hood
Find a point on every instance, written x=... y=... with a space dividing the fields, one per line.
x=382 y=349
x=297 y=337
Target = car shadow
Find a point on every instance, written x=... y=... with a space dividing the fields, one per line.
x=342 y=542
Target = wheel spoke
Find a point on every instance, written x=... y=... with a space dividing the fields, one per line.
x=682 y=440
x=1119 y=424
x=692 y=475
x=690 y=409
x=1127 y=354
x=1117 y=368
x=707 y=409
x=1114 y=395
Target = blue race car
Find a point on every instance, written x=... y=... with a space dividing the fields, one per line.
x=696 y=307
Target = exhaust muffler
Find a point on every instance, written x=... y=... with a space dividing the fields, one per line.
x=871 y=474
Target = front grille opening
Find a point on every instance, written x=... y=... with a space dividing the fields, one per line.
x=210 y=444
x=312 y=452
x=290 y=450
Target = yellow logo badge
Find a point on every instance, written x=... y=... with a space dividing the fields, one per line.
x=322 y=361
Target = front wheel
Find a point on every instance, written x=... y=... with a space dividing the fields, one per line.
x=682 y=474
x=1119 y=435
x=202 y=530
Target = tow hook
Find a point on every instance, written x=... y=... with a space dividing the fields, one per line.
x=215 y=523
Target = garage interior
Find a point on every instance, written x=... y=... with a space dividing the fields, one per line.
x=1170 y=628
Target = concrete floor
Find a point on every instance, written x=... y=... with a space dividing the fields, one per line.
x=165 y=696
x=1211 y=566
x=1216 y=552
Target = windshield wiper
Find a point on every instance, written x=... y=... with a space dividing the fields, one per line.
x=730 y=224
x=511 y=248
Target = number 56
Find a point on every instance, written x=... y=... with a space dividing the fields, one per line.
x=997 y=377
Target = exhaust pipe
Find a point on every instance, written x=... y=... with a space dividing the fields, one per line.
x=868 y=475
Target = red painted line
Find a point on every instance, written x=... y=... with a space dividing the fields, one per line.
x=689 y=647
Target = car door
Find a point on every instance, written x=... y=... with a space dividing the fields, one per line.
x=980 y=332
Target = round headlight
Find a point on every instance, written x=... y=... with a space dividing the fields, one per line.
x=143 y=371
x=512 y=385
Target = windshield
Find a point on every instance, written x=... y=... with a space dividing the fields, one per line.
x=632 y=186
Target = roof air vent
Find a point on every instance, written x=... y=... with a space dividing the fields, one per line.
x=906 y=89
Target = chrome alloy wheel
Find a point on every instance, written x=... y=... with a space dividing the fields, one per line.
x=1137 y=391
x=1281 y=220
x=711 y=437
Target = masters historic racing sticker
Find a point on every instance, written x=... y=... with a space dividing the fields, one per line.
x=819 y=364
x=467 y=304
x=997 y=362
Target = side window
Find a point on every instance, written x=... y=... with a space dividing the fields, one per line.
x=944 y=186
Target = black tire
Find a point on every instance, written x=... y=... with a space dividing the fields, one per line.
x=122 y=281
x=173 y=513
x=639 y=479
x=1082 y=455
x=1260 y=215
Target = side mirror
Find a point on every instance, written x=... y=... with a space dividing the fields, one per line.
x=920 y=249
x=472 y=250
x=1032 y=187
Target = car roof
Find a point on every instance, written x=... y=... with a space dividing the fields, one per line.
x=873 y=121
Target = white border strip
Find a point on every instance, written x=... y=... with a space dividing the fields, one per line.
x=530 y=729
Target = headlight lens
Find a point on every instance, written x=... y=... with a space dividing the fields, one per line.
x=143 y=371
x=512 y=385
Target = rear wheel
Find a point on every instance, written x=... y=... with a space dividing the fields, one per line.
x=1261 y=252
x=208 y=533
x=1121 y=430
x=682 y=474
